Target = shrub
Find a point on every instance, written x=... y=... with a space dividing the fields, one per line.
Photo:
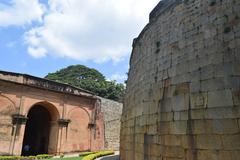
x=86 y=153
x=42 y=156
x=97 y=154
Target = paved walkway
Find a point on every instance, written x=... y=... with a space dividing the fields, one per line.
x=112 y=157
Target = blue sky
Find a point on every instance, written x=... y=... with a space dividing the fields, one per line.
x=42 y=36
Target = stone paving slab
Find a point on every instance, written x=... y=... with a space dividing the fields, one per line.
x=115 y=157
x=111 y=157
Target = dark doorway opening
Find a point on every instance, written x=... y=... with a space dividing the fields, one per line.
x=36 y=136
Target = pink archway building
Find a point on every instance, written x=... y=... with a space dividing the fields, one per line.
x=47 y=117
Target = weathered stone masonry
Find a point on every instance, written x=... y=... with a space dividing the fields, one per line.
x=112 y=115
x=183 y=90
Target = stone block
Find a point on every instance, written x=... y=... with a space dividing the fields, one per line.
x=222 y=113
x=169 y=91
x=195 y=75
x=178 y=127
x=163 y=128
x=155 y=150
x=195 y=87
x=224 y=126
x=165 y=116
x=153 y=129
x=139 y=147
x=180 y=89
x=182 y=67
x=185 y=77
x=232 y=82
x=158 y=92
x=172 y=72
x=236 y=97
x=130 y=123
x=207 y=72
x=139 y=130
x=173 y=151
x=172 y=140
x=180 y=102
x=166 y=105
x=181 y=116
x=199 y=100
x=212 y=84
x=208 y=155
x=208 y=142
x=153 y=108
x=220 y=98
x=152 y=119
x=197 y=114
x=200 y=127
x=142 y=120
x=231 y=142
x=139 y=138
x=229 y=155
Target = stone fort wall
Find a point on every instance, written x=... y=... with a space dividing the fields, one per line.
x=183 y=91
x=112 y=111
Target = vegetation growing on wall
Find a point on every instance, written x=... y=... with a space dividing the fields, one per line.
x=89 y=79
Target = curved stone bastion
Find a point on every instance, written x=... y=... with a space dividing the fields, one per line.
x=183 y=91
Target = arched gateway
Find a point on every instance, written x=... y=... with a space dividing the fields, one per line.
x=41 y=118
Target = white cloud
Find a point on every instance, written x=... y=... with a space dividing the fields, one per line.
x=118 y=77
x=37 y=52
x=20 y=12
x=97 y=30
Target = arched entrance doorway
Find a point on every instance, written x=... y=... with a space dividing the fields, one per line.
x=40 y=127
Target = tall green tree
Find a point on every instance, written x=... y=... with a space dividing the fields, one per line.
x=89 y=79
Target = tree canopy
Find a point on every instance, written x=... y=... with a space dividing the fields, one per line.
x=89 y=79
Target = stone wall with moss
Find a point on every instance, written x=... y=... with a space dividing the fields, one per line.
x=112 y=120
x=183 y=91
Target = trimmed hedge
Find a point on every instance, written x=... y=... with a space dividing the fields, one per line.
x=97 y=154
x=41 y=156
x=85 y=153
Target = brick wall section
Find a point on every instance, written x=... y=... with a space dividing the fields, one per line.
x=183 y=91
x=112 y=114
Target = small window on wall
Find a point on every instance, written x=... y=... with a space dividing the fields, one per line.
x=148 y=141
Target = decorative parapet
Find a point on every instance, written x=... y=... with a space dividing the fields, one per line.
x=19 y=119
x=37 y=82
x=64 y=122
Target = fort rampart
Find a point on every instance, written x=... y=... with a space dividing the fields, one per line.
x=183 y=91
